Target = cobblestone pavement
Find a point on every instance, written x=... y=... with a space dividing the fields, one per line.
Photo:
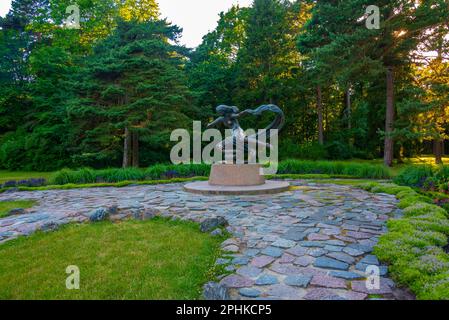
x=313 y=242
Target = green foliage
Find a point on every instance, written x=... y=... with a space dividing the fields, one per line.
x=81 y=103
x=288 y=149
x=417 y=208
x=87 y=175
x=174 y=171
x=337 y=150
x=156 y=172
x=135 y=81
x=360 y=170
x=425 y=177
x=414 y=176
x=406 y=193
x=442 y=173
x=390 y=189
x=286 y=168
x=413 y=245
x=412 y=200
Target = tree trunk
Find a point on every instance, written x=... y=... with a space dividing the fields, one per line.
x=349 y=112
x=438 y=150
x=319 y=108
x=438 y=143
x=443 y=150
x=348 y=106
x=126 y=148
x=135 y=149
x=389 y=119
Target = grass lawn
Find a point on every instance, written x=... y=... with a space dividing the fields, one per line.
x=22 y=175
x=157 y=259
x=5 y=206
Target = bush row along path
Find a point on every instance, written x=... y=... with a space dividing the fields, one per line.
x=313 y=242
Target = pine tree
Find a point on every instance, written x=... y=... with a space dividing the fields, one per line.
x=139 y=10
x=262 y=58
x=352 y=49
x=136 y=91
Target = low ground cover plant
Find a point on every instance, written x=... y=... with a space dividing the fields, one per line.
x=414 y=246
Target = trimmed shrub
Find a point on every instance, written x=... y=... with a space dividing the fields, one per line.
x=412 y=200
x=117 y=175
x=406 y=193
x=156 y=172
x=442 y=173
x=414 y=176
x=171 y=171
x=162 y=171
x=390 y=188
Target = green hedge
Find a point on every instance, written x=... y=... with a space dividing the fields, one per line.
x=353 y=169
x=425 y=177
x=413 y=246
x=162 y=171
x=156 y=172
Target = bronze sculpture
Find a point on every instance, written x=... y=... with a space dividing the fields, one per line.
x=239 y=141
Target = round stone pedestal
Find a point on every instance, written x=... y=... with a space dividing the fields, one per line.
x=236 y=179
x=269 y=187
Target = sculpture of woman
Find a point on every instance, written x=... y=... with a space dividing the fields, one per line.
x=239 y=142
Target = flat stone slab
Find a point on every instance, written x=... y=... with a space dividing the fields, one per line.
x=269 y=187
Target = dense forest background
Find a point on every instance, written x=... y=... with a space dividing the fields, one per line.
x=110 y=93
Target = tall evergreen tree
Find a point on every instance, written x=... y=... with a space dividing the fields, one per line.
x=140 y=10
x=135 y=87
x=263 y=57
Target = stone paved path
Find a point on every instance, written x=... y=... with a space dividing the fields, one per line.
x=313 y=242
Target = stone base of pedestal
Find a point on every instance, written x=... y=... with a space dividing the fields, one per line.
x=236 y=179
x=269 y=187
x=223 y=174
